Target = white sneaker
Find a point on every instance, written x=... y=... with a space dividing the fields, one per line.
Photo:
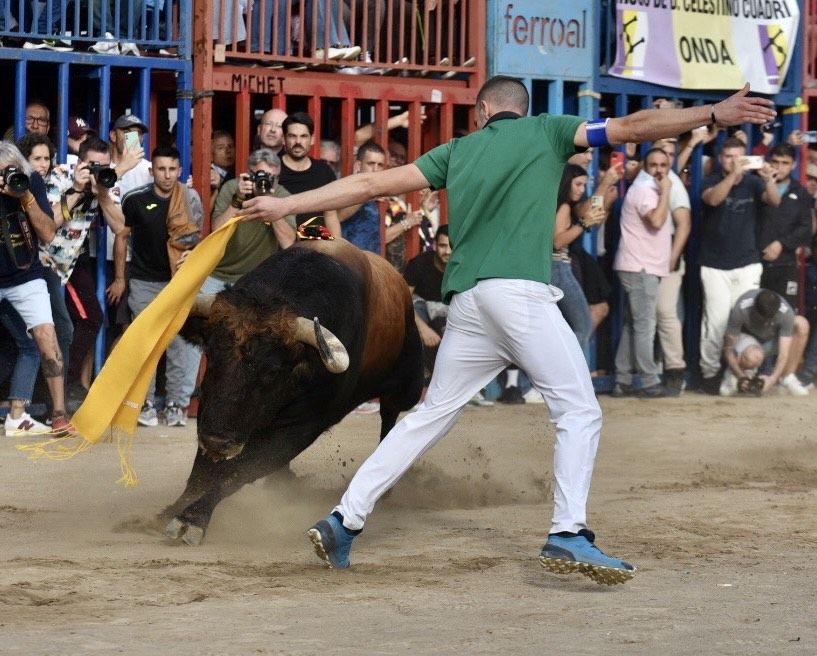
x=47 y=44
x=793 y=385
x=148 y=416
x=368 y=408
x=24 y=425
x=729 y=384
x=175 y=415
x=480 y=401
x=109 y=47
x=532 y=396
x=129 y=48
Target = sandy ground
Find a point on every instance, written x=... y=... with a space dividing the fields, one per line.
x=713 y=499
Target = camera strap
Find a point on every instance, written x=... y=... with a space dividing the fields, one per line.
x=25 y=232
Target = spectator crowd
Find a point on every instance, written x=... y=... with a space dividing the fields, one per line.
x=754 y=255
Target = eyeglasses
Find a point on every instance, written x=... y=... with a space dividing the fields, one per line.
x=40 y=120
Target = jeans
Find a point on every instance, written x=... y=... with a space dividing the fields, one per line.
x=573 y=305
x=126 y=21
x=49 y=22
x=635 y=350
x=182 y=357
x=24 y=376
x=337 y=33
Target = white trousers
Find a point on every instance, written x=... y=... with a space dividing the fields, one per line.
x=722 y=288
x=497 y=323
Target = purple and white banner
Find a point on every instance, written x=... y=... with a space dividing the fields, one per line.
x=706 y=44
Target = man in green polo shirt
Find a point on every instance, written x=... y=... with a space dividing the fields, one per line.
x=501 y=182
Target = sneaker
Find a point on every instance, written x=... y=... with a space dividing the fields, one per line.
x=621 y=390
x=148 y=416
x=332 y=541
x=532 y=396
x=512 y=396
x=175 y=415
x=793 y=385
x=331 y=53
x=47 y=44
x=129 y=48
x=368 y=408
x=674 y=382
x=480 y=401
x=25 y=424
x=656 y=391
x=729 y=384
x=565 y=553
x=108 y=47
x=710 y=385
x=60 y=426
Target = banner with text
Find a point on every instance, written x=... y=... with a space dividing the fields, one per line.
x=706 y=44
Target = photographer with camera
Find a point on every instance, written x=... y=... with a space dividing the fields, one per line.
x=25 y=217
x=76 y=212
x=252 y=242
x=763 y=324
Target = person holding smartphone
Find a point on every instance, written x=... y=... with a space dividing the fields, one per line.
x=730 y=254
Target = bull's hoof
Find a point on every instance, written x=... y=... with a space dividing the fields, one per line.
x=189 y=533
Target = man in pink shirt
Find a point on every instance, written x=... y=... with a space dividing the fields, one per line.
x=643 y=257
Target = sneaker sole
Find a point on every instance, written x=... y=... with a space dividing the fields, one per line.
x=317 y=542
x=599 y=573
x=148 y=424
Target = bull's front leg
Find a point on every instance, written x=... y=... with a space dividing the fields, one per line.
x=260 y=457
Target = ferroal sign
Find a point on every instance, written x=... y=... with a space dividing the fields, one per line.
x=544 y=39
x=545 y=31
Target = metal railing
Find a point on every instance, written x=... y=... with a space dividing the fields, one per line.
x=375 y=36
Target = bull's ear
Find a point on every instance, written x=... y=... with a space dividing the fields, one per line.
x=195 y=330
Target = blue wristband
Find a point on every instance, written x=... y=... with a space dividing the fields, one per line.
x=597 y=133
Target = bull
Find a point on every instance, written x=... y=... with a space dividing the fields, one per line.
x=292 y=348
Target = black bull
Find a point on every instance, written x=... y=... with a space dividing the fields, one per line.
x=269 y=391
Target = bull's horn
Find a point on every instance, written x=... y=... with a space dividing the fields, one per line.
x=201 y=306
x=333 y=354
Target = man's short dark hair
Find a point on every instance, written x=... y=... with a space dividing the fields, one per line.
x=784 y=150
x=507 y=91
x=95 y=144
x=442 y=231
x=301 y=118
x=767 y=303
x=733 y=142
x=166 y=151
x=369 y=147
x=655 y=149
x=217 y=134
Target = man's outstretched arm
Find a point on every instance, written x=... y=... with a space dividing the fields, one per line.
x=652 y=124
x=351 y=190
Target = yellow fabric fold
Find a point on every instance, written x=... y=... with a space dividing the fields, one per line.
x=118 y=393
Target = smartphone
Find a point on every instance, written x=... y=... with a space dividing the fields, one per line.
x=617 y=159
x=132 y=140
x=754 y=161
x=596 y=202
x=810 y=136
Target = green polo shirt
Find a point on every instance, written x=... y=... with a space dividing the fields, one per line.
x=502 y=185
x=251 y=243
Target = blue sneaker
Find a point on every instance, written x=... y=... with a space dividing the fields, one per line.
x=567 y=553
x=332 y=541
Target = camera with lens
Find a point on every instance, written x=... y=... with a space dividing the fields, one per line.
x=103 y=174
x=262 y=183
x=16 y=180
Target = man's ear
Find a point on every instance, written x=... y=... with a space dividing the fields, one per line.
x=356 y=167
x=150 y=170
